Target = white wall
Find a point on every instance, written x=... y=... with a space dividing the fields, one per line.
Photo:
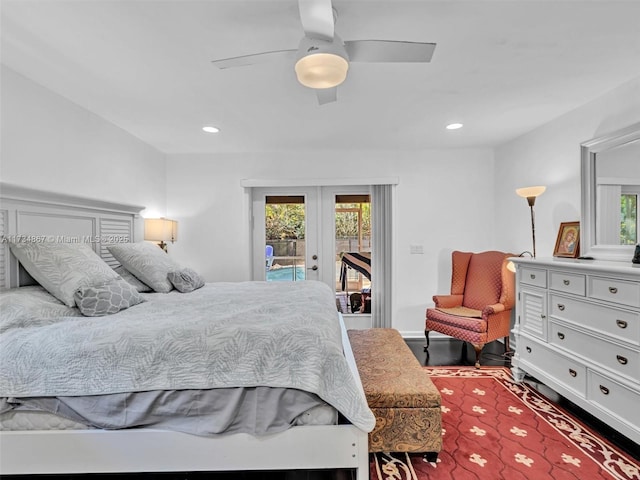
x=49 y=143
x=550 y=155
x=444 y=199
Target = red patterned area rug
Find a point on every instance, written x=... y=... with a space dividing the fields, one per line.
x=494 y=428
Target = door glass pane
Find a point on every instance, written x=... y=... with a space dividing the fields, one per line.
x=628 y=219
x=285 y=238
x=353 y=252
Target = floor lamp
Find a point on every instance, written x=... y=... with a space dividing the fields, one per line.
x=530 y=193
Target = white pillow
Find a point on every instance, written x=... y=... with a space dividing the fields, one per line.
x=133 y=280
x=63 y=268
x=148 y=262
x=31 y=306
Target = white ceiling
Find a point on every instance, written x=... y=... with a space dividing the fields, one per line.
x=500 y=67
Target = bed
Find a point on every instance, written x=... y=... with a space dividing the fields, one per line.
x=225 y=342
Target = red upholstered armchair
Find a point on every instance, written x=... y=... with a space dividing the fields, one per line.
x=478 y=310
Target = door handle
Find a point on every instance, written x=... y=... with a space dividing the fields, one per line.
x=314 y=268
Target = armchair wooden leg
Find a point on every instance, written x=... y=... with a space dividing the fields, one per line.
x=478 y=349
x=507 y=348
x=426 y=334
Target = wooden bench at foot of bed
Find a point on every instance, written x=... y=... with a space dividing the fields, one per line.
x=399 y=392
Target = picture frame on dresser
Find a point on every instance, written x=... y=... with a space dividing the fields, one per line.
x=568 y=241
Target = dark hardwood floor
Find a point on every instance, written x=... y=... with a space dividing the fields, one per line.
x=449 y=351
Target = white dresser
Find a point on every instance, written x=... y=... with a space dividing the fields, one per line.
x=577 y=330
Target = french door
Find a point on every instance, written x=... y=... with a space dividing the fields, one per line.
x=303 y=233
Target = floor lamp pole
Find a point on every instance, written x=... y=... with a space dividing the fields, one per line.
x=531 y=201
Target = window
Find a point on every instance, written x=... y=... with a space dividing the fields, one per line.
x=353 y=248
x=285 y=223
x=628 y=217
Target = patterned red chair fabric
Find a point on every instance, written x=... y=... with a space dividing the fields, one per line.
x=478 y=310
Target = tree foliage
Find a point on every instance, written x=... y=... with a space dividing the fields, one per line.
x=628 y=224
x=287 y=221
x=284 y=221
x=347 y=222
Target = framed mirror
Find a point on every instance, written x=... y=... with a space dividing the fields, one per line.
x=610 y=195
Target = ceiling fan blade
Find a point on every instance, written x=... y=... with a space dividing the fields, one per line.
x=255 y=58
x=389 y=51
x=327 y=95
x=317 y=18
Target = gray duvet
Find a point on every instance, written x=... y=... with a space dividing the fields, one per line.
x=224 y=335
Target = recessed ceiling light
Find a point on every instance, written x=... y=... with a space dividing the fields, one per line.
x=210 y=129
x=454 y=126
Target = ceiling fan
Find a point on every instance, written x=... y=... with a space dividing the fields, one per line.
x=322 y=59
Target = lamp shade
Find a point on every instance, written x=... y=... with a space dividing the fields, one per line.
x=527 y=192
x=160 y=230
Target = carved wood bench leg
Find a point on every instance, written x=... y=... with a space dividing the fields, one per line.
x=431 y=457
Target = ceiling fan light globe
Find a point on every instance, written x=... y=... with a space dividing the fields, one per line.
x=321 y=70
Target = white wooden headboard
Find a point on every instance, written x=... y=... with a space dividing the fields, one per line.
x=35 y=215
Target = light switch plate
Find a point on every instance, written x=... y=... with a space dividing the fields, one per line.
x=416 y=249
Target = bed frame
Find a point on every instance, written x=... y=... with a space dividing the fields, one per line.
x=31 y=212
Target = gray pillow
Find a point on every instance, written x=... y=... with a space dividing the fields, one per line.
x=99 y=300
x=133 y=280
x=148 y=262
x=62 y=268
x=185 y=280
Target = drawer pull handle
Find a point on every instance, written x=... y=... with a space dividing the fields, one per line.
x=528 y=349
x=622 y=360
x=613 y=290
x=561 y=307
x=604 y=389
x=572 y=372
x=561 y=335
x=533 y=277
x=621 y=323
x=566 y=282
x=543 y=316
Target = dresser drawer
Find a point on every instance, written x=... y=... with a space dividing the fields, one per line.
x=622 y=360
x=617 y=399
x=564 y=370
x=614 y=290
x=533 y=276
x=567 y=282
x=621 y=324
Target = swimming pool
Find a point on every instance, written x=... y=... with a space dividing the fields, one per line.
x=285 y=274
